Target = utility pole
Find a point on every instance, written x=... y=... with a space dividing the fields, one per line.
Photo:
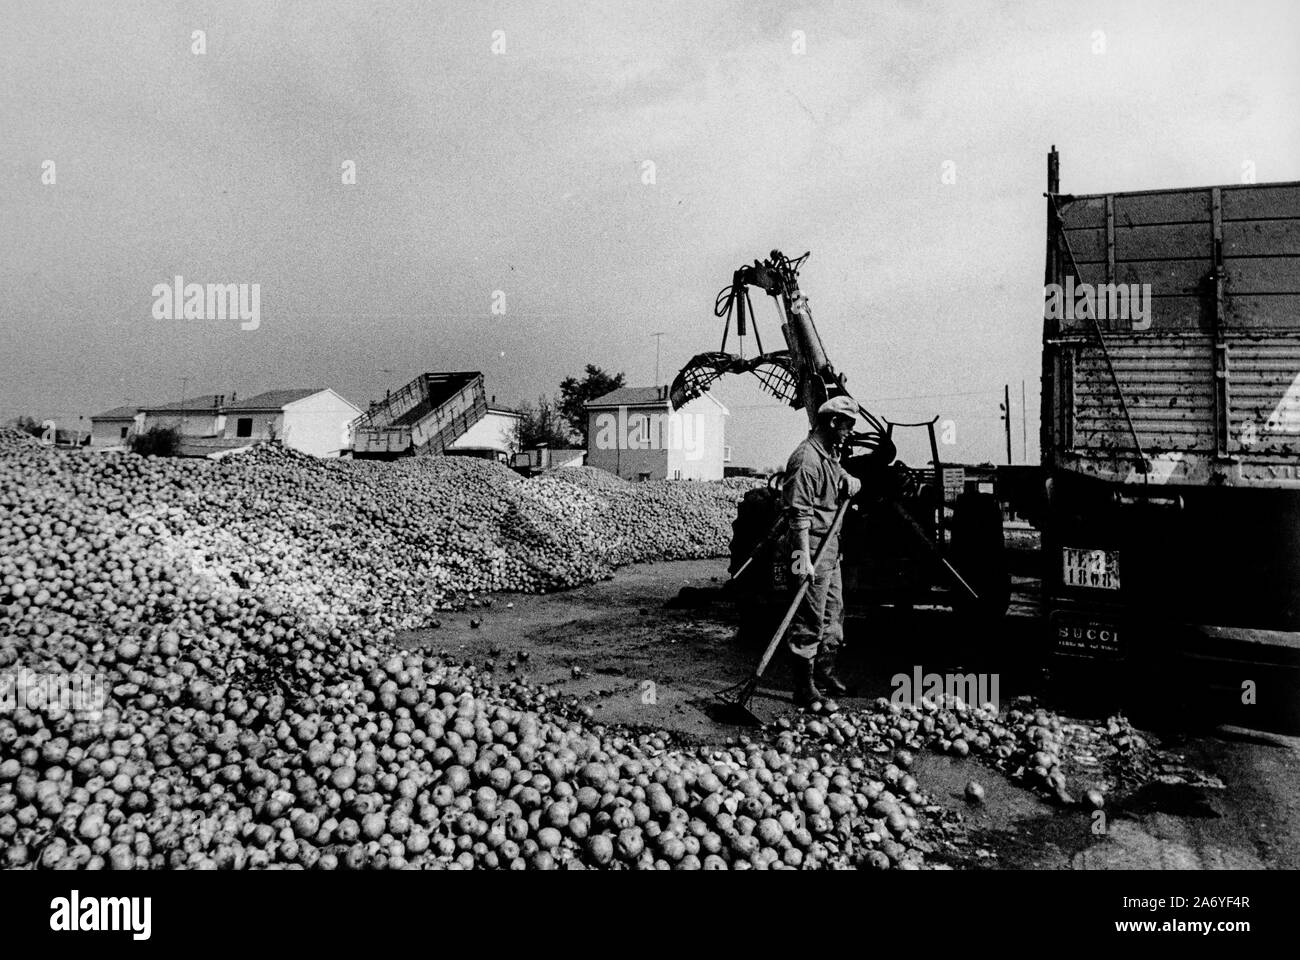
x=1024 y=425
x=658 y=337
x=1006 y=416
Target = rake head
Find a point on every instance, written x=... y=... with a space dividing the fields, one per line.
x=732 y=705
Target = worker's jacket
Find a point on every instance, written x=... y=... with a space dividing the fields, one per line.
x=811 y=489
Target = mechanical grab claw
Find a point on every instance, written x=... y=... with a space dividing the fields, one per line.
x=800 y=375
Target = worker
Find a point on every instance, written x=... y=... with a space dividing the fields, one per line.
x=814 y=484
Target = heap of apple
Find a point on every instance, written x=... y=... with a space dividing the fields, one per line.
x=202 y=673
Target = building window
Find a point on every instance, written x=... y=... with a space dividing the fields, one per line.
x=726 y=454
x=638 y=431
x=122 y=435
x=677 y=474
x=244 y=427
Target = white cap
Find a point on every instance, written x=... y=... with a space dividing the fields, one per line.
x=840 y=407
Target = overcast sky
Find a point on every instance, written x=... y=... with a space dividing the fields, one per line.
x=523 y=171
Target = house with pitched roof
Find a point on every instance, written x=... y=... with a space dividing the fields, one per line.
x=633 y=432
x=495 y=437
x=201 y=416
x=313 y=420
x=114 y=428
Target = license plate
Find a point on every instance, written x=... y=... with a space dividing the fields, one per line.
x=1096 y=569
x=1080 y=636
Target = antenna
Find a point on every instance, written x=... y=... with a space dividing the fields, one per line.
x=181 y=411
x=658 y=337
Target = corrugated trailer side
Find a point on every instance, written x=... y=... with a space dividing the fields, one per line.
x=460 y=405
x=1205 y=383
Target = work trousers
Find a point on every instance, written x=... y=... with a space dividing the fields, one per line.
x=818 y=624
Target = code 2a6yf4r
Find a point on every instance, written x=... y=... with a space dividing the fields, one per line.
x=1196 y=903
x=1235 y=903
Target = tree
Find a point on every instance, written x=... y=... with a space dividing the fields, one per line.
x=575 y=393
x=27 y=425
x=156 y=441
x=541 y=424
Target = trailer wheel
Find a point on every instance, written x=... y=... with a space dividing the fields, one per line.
x=979 y=554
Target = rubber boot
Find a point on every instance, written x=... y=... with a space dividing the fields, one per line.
x=805 y=689
x=824 y=673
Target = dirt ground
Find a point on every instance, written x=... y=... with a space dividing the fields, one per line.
x=636 y=655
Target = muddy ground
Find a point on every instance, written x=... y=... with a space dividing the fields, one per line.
x=630 y=649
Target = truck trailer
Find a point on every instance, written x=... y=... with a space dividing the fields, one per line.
x=423 y=418
x=1171 y=431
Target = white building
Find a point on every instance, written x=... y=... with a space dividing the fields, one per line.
x=494 y=437
x=314 y=420
x=201 y=416
x=113 y=429
x=633 y=432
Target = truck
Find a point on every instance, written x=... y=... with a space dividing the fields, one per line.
x=1170 y=432
x=422 y=418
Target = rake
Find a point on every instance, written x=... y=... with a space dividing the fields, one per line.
x=733 y=702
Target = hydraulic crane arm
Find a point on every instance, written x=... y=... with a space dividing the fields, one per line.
x=801 y=375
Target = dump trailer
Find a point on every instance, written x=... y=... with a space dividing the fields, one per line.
x=1171 y=427
x=423 y=418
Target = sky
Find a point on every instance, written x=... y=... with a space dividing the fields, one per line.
x=502 y=155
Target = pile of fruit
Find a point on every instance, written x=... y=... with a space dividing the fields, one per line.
x=355 y=545
x=11 y=436
x=1027 y=743
x=244 y=706
x=350 y=756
